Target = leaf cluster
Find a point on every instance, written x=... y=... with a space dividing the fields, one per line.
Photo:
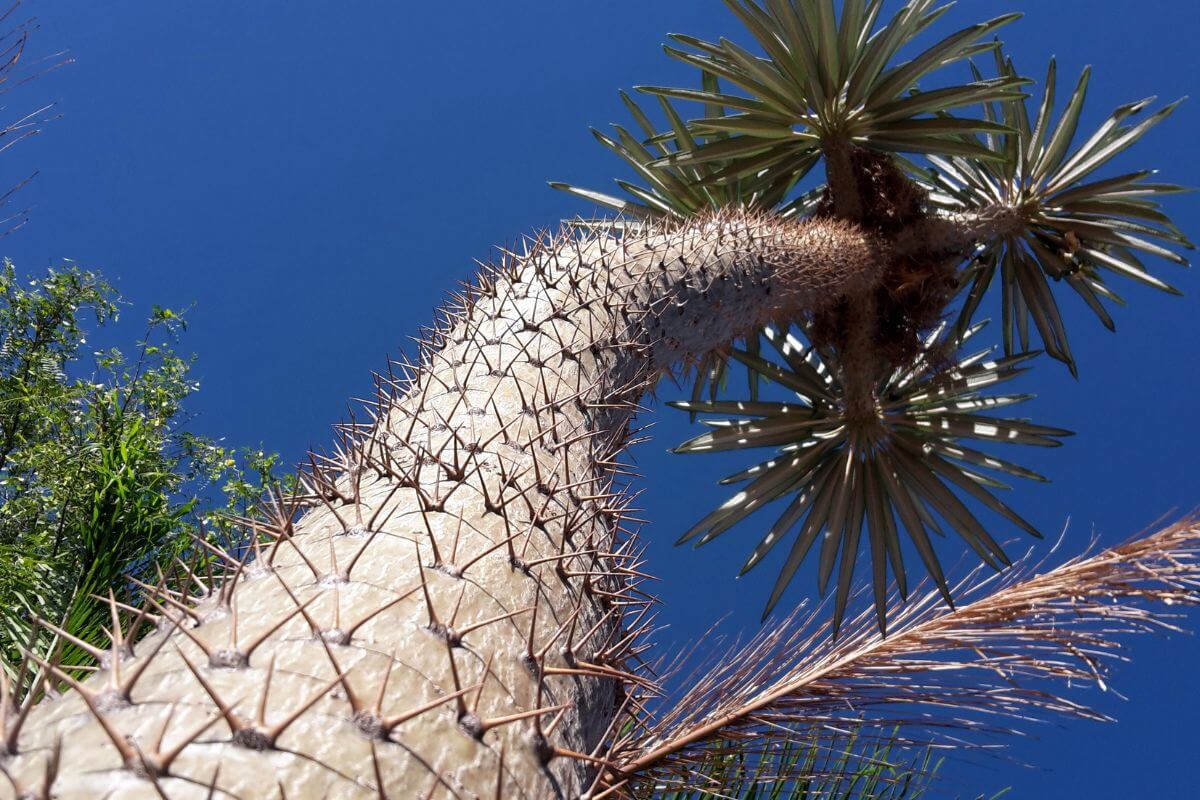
x=98 y=472
x=853 y=765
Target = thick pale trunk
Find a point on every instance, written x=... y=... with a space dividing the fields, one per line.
x=467 y=576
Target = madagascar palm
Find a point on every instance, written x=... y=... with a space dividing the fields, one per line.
x=453 y=606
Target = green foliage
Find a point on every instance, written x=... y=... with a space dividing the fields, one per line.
x=854 y=767
x=682 y=190
x=97 y=471
x=827 y=80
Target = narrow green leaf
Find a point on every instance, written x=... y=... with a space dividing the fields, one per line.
x=716 y=151
x=932 y=144
x=878 y=52
x=1120 y=267
x=955 y=475
x=951 y=508
x=950 y=97
x=938 y=125
x=711 y=98
x=638 y=115
x=825 y=34
x=849 y=557
x=615 y=203
x=1060 y=140
x=1084 y=290
x=817 y=517
x=748 y=125
x=795 y=510
x=961 y=453
x=774 y=41
x=1033 y=150
x=798 y=382
x=877 y=533
x=800 y=45
x=1089 y=159
x=946 y=51
x=843 y=480
x=916 y=529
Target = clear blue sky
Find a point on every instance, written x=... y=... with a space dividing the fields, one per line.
x=314 y=177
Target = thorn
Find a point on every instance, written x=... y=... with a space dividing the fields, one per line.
x=511 y=718
x=462 y=632
x=128 y=755
x=500 y=774
x=100 y=656
x=379 y=782
x=389 y=724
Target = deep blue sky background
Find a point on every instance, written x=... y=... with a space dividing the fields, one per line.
x=314 y=176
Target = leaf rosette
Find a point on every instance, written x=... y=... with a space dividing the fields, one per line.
x=906 y=467
x=1073 y=227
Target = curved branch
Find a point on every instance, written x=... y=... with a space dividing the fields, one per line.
x=959 y=232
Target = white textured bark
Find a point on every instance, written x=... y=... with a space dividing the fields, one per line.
x=467 y=575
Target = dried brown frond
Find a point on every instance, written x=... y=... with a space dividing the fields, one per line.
x=1008 y=652
x=13 y=41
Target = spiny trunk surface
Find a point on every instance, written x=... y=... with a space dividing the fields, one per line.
x=459 y=615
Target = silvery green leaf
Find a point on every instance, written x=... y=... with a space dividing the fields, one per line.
x=838 y=474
